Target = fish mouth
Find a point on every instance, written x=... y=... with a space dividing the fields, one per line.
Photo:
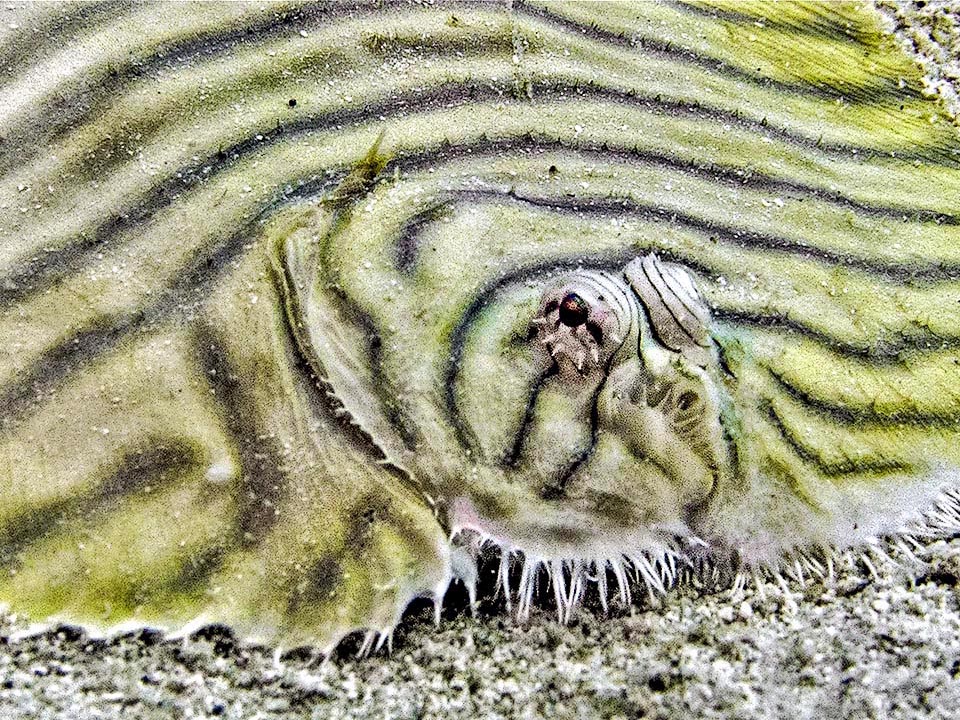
x=647 y=562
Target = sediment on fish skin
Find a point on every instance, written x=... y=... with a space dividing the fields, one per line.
x=267 y=275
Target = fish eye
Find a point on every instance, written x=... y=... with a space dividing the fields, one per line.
x=573 y=310
x=583 y=319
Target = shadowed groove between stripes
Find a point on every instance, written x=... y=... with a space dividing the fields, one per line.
x=49 y=33
x=34 y=275
x=715 y=65
x=905 y=274
x=861 y=466
x=822 y=27
x=222 y=41
x=876 y=351
x=862 y=416
x=112 y=82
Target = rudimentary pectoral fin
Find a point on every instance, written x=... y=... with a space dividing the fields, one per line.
x=331 y=334
x=215 y=485
x=348 y=539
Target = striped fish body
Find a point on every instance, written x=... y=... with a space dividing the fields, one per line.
x=304 y=306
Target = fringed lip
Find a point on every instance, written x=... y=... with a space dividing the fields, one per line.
x=568 y=580
x=683 y=559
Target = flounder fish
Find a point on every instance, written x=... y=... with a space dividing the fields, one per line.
x=305 y=308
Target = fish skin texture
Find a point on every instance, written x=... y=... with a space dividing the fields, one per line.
x=305 y=308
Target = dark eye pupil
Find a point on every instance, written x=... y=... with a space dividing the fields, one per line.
x=573 y=310
x=686 y=400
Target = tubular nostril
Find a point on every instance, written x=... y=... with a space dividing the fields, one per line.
x=573 y=310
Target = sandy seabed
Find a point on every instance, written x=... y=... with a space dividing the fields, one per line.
x=857 y=647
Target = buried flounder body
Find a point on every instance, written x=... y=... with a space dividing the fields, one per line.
x=303 y=308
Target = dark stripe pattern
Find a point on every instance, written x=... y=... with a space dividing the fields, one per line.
x=267 y=273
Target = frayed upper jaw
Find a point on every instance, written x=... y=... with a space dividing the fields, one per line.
x=465 y=521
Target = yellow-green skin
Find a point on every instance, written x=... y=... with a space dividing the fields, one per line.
x=261 y=358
